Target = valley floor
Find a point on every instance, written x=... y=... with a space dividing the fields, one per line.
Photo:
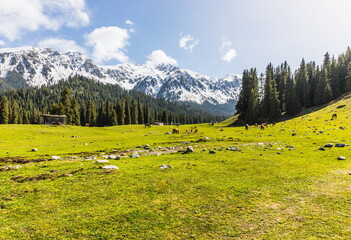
x=275 y=183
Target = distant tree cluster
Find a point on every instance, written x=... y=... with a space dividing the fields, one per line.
x=279 y=90
x=87 y=101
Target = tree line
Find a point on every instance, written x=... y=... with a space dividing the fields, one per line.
x=86 y=101
x=266 y=97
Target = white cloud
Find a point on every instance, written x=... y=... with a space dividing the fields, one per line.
x=225 y=44
x=18 y=16
x=128 y=22
x=2 y=43
x=160 y=57
x=108 y=43
x=229 y=55
x=188 y=43
x=131 y=25
x=61 y=45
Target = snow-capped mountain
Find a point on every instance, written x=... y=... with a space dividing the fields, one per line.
x=46 y=67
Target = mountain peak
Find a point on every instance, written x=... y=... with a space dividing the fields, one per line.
x=159 y=77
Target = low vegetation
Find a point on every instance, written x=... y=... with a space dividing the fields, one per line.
x=276 y=183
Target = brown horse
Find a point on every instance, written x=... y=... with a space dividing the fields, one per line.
x=175 y=131
x=147 y=125
x=247 y=126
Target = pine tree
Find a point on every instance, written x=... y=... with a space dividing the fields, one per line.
x=140 y=112
x=134 y=111
x=302 y=86
x=75 y=114
x=323 y=91
x=347 y=84
x=65 y=106
x=4 y=114
x=14 y=119
x=293 y=105
x=127 y=119
x=120 y=112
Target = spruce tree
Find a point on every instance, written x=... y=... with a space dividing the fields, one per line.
x=302 y=85
x=127 y=119
x=293 y=105
x=4 y=114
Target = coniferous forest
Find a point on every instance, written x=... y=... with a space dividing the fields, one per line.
x=266 y=97
x=87 y=101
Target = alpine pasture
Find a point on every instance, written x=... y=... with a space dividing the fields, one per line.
x=276 y=183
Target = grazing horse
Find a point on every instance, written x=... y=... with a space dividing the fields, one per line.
x=262 y=126
x=175 y=131
x=334 y=116
x=195 y=131
x=247 y=126
x=147 y=125
x=88 y=124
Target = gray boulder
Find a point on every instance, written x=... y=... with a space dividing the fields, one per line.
x=341 y=158
x=110 y=167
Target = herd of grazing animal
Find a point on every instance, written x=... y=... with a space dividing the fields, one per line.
x=261 y=126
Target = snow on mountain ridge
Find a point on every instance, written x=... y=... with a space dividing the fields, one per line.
x=46 y=67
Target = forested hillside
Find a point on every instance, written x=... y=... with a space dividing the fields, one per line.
x=86 y=101
x=265 y=97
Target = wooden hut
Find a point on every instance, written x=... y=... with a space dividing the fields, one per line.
x=52 y=119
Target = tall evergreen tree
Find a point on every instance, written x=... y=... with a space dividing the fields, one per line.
x=302 y=85
x=4 y=113
x=127 y=119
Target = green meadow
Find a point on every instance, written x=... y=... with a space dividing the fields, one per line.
x=277 y=184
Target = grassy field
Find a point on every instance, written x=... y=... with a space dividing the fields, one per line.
x=276 y=186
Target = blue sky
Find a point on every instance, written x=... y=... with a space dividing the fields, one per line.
x=215 y=37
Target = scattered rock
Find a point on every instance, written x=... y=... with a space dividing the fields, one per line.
x=102 y=161
x=8 y=168
x=329 y=145
x=340 y=145
x=342 y=128
x=111 y=156
x=321 y=149
x=293 y=134
x=165 y=166
x=321 y=131
x=168 y=133
x=278 y=153
x=185 y=142
x=139 y=146
x=189 y=149
x=147 y=147
x=34 y=150
x=206 y=138
x=212 y=151
x=55 y=157
x=341 y=158
x=110 y=167
x=135 y=155
x=234 y=149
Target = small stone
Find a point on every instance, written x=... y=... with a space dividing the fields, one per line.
x=321 y=149
x=111 y=157
x=102 y=161
x=329 y=145
x=234 y=149
x=342 y=128
x=34 y=150
x=278 y=153
x=110 y=167
x=341 y=158
x=165 y=166
x=55 y=157
x=321 y=131
x=206 y=138
x=340 y=145
x=139 y=146
x=168 y=133
x=212 y=151
x=135 y=155
x=189 y=149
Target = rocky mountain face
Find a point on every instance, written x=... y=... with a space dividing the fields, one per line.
x=46 y=67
